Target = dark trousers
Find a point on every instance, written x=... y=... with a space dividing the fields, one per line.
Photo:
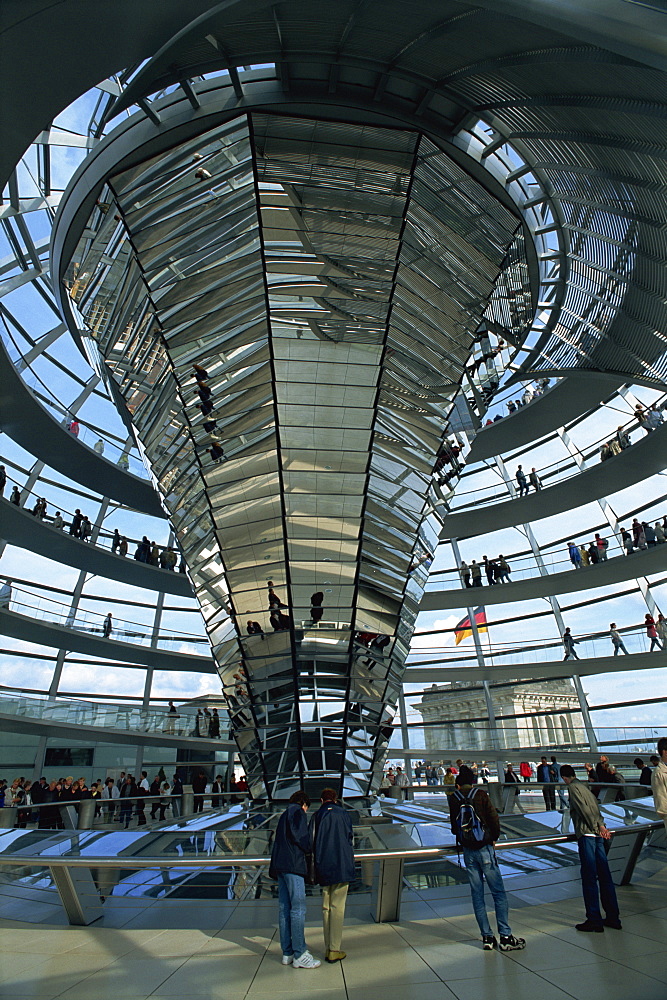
x=549 y=793
x=199 y=804
x=595 y=875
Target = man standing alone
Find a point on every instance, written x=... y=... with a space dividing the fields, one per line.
x=591 y=833
x=476 y=826
x=331 y=832
x=288 y=866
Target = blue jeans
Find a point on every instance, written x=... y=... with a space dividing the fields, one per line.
x=594 y=872
x=481 y=865
x=292 y=914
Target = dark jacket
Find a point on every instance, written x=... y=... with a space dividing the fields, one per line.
x=331 y=831
x=291 y=843
x=484 y=809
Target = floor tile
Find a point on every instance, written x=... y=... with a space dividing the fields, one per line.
x=415 y=991
x=207 y=976
x=526 y=986
x=605 y=981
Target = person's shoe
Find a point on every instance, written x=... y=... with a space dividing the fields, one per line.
x=511 y=943
x=335 y=956
x=616 y=924
x=306 y=961
x=489 y=942
x=589 y=926
x=287 y=959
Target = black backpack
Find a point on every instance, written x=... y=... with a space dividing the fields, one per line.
x=470 y=831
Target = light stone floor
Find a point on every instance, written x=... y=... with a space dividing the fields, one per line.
x=205 y=952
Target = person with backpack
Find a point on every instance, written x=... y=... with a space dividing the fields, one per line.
x=475 y=824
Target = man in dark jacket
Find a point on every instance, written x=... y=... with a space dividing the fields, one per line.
x=331 y=832
x=289 y=867
x=480 y=857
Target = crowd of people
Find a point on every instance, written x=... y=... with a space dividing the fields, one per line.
x=641 y=537
x=117 y=800
x=322 y=852
x=80 y=526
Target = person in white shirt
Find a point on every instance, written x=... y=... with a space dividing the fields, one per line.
x=401 y=782
x=110 y=792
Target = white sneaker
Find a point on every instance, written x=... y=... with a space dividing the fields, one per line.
x=306 y=961
x=287 y=959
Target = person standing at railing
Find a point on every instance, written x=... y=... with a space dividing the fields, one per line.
x=547 y=778
x=476 y=574
x=332 y=836
x=6 y=594
x=574 y=554
x=661 y=629
x=616 y=640
x=115 y=541
x=58 y=521
x=522 y=482
x=475 y=824
x=535 y=480
x=651 y=632
x=464 y=571
x=15 y=496
x=591 y=834
x=289 y=867
x=107 y=626
x=3 y=480
x=109 y=794
x=659 y=781
x=176 y=796
x=602 y=546
x=172 y=715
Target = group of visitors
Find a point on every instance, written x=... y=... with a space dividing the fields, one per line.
x=524 y=483
x=206 y=723
x=530 y=393
x=80 y=526
x=280 y=619
x=73 y=426
x=656 y=633
x=495 y=570
x=108 y=795
x=648 y=418
x=321 y=853
x=206 y=404
x=117 y=800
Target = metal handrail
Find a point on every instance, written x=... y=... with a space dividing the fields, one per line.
x=217 y=861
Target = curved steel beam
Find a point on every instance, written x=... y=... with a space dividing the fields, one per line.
x=566 y=401
x=36 y=630
x=550 y=669
x=27 y=726
x=614 y=570
x=26 y=421
x=644 y=459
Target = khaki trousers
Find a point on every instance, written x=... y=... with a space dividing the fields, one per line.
x=333 y=914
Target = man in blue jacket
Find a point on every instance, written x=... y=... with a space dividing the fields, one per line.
x=331 y=830
x=288 y=866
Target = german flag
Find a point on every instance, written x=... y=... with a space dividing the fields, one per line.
x=464 y=627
